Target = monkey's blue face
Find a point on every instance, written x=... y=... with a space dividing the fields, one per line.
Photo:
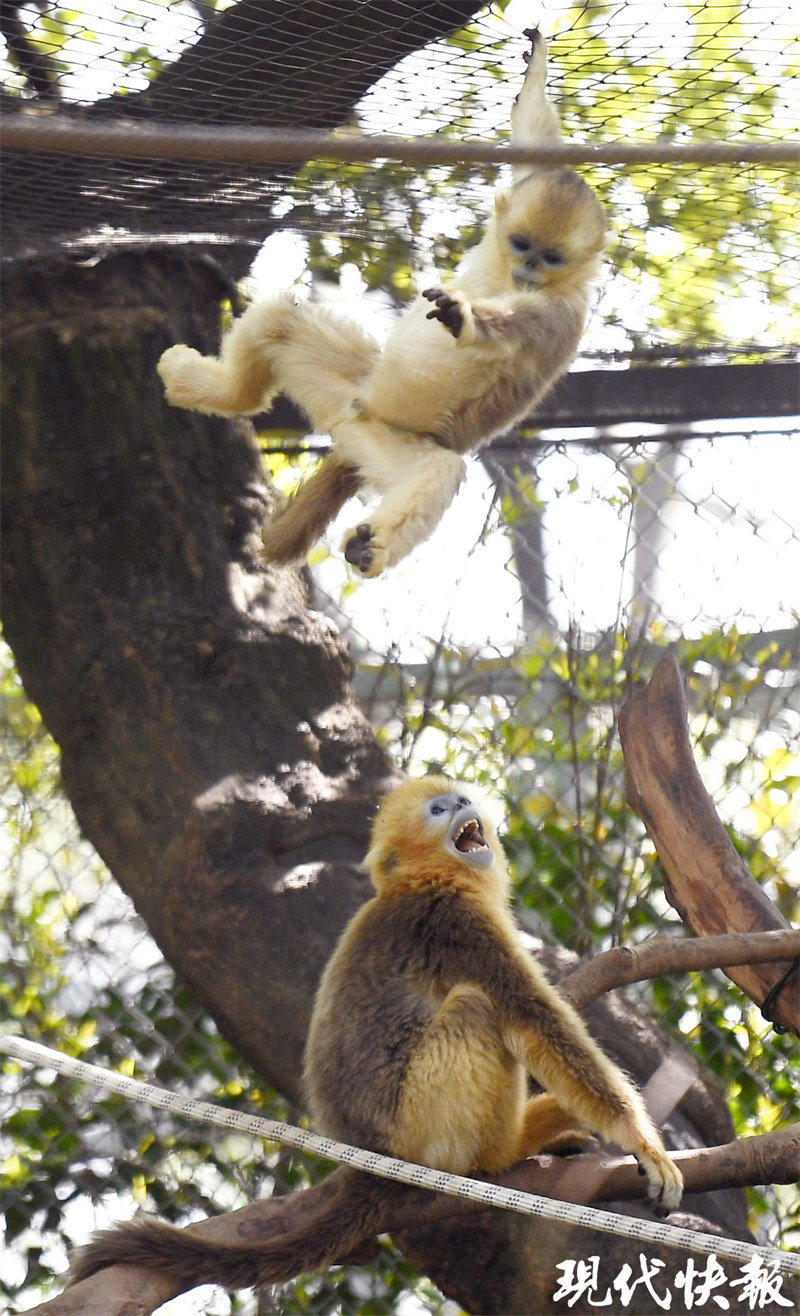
x=533 y=263
x=461 y=825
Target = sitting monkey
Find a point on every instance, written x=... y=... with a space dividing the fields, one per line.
x=430 y=1014
x=427 y=1020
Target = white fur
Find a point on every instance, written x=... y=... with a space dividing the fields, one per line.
x=441 y=386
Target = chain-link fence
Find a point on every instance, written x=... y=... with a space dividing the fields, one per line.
x=503 y=648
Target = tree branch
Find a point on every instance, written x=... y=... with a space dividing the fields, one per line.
x=32 y=62
x=707 y=882
x=626 y=964
x=130 y=1291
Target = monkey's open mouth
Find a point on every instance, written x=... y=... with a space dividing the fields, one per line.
x=469 y=837
x=466 y=837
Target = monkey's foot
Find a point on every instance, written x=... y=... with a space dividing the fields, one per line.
x=363 y=551
x=185 y=375
x=450 y=308
x=664 y=1181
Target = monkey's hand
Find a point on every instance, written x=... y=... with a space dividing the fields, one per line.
x=453 y=311
x=363 y=551
x=664 y=1179
x=534 y=36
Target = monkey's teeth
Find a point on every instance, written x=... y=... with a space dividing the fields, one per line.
x=470 y=836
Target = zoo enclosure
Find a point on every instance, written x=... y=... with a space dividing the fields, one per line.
x=599 y=545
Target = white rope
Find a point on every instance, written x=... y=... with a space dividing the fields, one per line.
x=421 y=1176
x=136 y=140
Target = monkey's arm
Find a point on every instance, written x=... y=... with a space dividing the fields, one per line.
x=506 y=322
x=533 y=118
x=553 y=1044
x=550 y=1039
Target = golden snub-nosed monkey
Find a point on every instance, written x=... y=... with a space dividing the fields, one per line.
x=428 y=1018
x=463 y=364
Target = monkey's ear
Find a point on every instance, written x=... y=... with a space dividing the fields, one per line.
x=502 y=200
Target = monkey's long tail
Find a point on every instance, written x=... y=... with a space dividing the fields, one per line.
x=349 y=1215
x=299 y=523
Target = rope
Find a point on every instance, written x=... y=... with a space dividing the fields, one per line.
x=643 y=1231
x=22 y=132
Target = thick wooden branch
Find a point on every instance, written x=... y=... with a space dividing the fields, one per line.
x=626 y=964
x=276 y=65
x=130 y=1291
x=707 y=882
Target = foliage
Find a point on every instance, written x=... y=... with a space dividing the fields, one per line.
x=76 y=968
x=685 y=242
x=586 y=873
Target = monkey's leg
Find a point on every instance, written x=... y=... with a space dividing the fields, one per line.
x=463 y=1096
x=241 y=380
x=317 y=358
x=547 y=1126
x=418 y=479
x=322 y=362
x=532 y=116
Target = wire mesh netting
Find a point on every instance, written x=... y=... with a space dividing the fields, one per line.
x=627 y=70
x=503 y=648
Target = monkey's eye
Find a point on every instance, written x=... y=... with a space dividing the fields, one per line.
x=463 y=802
x=520 y=244
x=552 y=257
x=439 y=807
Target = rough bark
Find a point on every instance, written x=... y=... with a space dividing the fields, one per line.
x=211 y=747
x=707 y=882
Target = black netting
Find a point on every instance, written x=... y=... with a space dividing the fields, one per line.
x=616 y=72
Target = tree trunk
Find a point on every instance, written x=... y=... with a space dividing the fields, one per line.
x=211 y=746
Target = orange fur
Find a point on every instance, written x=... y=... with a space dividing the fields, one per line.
x=430 y=1012
x=427 y=1017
